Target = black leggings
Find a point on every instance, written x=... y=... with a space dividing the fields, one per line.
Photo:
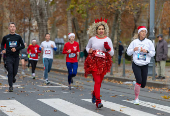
x=33 y=65
x=141 y=73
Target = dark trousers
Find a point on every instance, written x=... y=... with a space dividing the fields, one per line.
x=28 y=63
x=72 y=70
x=119 y=59
x=12 y=67
x=33 y=64
x=141 y=73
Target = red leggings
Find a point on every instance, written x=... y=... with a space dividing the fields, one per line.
x=98 y=78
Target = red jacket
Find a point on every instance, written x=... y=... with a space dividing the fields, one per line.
x=71 y=57
x=33 y=51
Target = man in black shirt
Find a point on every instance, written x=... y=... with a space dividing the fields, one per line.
x=14 y=44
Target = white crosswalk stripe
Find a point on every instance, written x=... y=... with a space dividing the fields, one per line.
x=15 y=108
x=68 y=108
x=3 y=77
x=152 y=105
x=123 y=109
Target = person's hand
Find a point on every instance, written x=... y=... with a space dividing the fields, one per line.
x=106 y=46
x=3 y=51
x=13 y=50
x=90 y=50
x=52 y=46
x=69 y=51
x=136 y=48
x=143 y=50
x=42 y=48
x=77 y=53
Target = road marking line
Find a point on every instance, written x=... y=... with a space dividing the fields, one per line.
x=50 y=86
x=3 y=77
x=15 y=108
x=68 y=108
x=13 y=86
x=152 y=105
x=123 y=109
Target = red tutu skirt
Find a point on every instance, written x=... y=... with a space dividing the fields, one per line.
x=99 y=64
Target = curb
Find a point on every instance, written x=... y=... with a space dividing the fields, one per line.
x=123 y=79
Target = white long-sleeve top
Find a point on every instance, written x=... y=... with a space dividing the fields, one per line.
x=140 y=58
x=98 y=44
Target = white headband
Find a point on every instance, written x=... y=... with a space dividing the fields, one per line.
x=142 y=29
x=71 y=34
x=33 y=40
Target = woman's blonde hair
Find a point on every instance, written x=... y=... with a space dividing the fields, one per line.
x=93 y=28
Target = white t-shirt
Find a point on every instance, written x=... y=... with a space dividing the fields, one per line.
x=48 y=50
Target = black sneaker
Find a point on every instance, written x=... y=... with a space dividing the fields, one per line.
x=71 y=80
x=33 y=77
x=10 y=89
x=69 y=87
x=100 y=105
x=14 y=80
x=162 y=77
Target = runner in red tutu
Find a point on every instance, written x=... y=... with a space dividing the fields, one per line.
x=99 y=60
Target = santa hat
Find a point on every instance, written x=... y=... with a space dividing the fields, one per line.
x=71 y=34
x=140 y=28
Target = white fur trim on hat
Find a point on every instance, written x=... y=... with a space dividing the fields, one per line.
x=142 y=29
x=71 y=34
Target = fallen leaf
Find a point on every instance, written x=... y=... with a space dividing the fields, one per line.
x=113 y=96
x=121 y=110
x=55 y=110
x=112 y=110
x=154 y=106
x=3 y=106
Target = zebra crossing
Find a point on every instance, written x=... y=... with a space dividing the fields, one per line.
x=15 y=108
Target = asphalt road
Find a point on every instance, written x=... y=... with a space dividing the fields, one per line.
x=34 y=98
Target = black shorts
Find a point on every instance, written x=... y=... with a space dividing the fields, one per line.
x=26 y=59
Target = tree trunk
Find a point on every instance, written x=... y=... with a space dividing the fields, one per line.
x=40 y=14
x=69 y=22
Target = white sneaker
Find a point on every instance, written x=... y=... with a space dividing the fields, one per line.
x=136 y=102
x=28 y=69
x=23 y=73
x=47 y=82
x=134 y=82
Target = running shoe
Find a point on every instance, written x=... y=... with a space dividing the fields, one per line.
x=93 y=98
x=71 y=80
x=33 y=77
x=23 y=73
x=69 y=87
x=47 y=82
x=10 y=89
x=28 y=69
x=134 y=82
x=136 y=102
x=14 y=80
x=100 y=105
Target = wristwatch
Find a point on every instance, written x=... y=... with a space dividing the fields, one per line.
x=147 y=51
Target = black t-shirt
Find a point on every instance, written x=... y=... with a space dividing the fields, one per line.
x=120 y=50
x=12 y=41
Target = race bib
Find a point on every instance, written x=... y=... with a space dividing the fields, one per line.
x=12 y=44
x=141 y=56
x=100 y=54
x=72 y=55
x=24 y=55
x=47 y=51
x=33 y=55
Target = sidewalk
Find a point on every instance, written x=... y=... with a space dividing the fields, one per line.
x=60 y=66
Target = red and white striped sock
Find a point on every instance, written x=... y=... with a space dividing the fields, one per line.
x=137 y=90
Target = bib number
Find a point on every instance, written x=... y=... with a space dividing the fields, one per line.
x=12 y=44
x=100 y=54
x=72 y=55
x=24 y=55
x=33 y=55
x=141 y=56
x=47 y=51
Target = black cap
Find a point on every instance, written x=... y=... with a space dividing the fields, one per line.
x=160 y=35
